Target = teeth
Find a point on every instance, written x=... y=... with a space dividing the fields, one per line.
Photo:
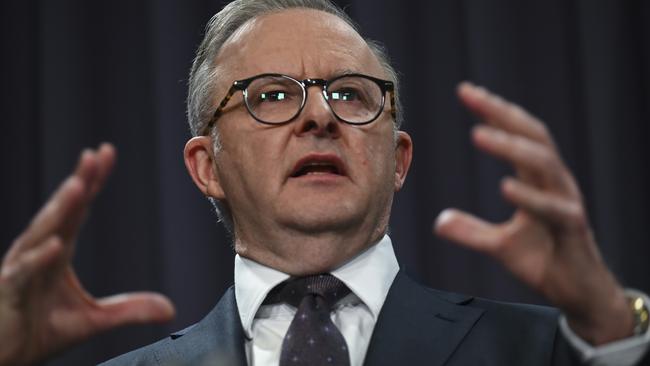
x=317 y=168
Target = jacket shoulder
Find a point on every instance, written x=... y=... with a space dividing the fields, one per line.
x=142 y=356
x=217 y=339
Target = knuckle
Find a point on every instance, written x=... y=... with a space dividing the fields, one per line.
x=9 y=275
x=4 y=275
x=517 y=112
x=575 y=215
x=573 y=189
x=542 y=129
x=519 y=145
x=19 y=241
x=508 y=237
x=544 y=133
x=548 y=160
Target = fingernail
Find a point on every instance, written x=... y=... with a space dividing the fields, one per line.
x=507 y=183
x=481 y=131
x=480 y=91
x=86 y=153
x=444 y=217
x=487 y=132
x=465 y=84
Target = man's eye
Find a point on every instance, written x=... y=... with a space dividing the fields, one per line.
x=273 y=96
x=344 y=95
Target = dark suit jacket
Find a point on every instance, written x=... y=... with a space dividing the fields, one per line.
x=416 y=326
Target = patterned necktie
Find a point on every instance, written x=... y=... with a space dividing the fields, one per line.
x=312 y=339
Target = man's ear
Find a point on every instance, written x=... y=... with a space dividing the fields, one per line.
x=201 y=166
x=403 y=156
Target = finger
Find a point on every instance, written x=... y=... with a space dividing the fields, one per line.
x=559 y=211
x=468 y=230
x=68 y=198
x=105 y=160
x=133 y=308
x=94 y=168
x=503 y=114
x=65 y=210
x=18 y=273
x=86 y=168
x=537 y=164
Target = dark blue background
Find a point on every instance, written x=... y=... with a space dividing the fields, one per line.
x=76 y=72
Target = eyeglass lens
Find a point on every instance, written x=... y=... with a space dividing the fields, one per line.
x=278 y=99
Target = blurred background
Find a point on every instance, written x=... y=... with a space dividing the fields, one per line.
x=74 y=73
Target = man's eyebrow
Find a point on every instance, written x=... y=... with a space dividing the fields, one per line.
x=341 y=72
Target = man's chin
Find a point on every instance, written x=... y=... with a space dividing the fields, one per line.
x=323 y=224
x=314 y=213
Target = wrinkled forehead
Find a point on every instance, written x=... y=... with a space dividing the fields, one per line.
x=296 y=42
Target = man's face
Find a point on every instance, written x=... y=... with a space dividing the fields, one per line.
x=296 y=190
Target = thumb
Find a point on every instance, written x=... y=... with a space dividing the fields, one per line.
x=467 y=230
x=133 y=308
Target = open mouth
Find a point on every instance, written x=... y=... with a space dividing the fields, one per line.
x=318 y=165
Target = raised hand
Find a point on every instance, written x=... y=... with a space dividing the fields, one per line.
x=548 y=242
x=43 y=307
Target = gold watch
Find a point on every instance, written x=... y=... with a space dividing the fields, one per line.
x=641 y=314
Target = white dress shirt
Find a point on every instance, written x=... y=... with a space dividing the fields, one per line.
x=369 y=276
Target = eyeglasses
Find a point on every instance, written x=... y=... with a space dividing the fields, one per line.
x=274 y=99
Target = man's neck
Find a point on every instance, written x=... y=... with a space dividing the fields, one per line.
x=299 y=254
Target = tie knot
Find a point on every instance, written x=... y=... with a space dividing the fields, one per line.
x=292 y=291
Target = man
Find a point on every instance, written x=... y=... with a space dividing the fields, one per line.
x=295 y=119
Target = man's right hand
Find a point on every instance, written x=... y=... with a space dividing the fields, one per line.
x=43 y=307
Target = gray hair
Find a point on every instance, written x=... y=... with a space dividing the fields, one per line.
x=205 y=73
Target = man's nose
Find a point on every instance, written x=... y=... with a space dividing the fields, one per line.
x=317 y=117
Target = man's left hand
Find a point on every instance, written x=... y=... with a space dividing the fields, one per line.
x=548 y=242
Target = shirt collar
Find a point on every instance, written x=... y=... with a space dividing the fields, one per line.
x=369 y=275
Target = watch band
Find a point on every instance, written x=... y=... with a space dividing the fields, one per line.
x=640 y=312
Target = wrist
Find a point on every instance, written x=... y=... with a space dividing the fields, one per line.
x=605 y=320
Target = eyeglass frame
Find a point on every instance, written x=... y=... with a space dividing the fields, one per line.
x=241 y=85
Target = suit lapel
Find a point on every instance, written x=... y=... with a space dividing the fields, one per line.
x=218 y=339
x=419 y=326
x=416 y=326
